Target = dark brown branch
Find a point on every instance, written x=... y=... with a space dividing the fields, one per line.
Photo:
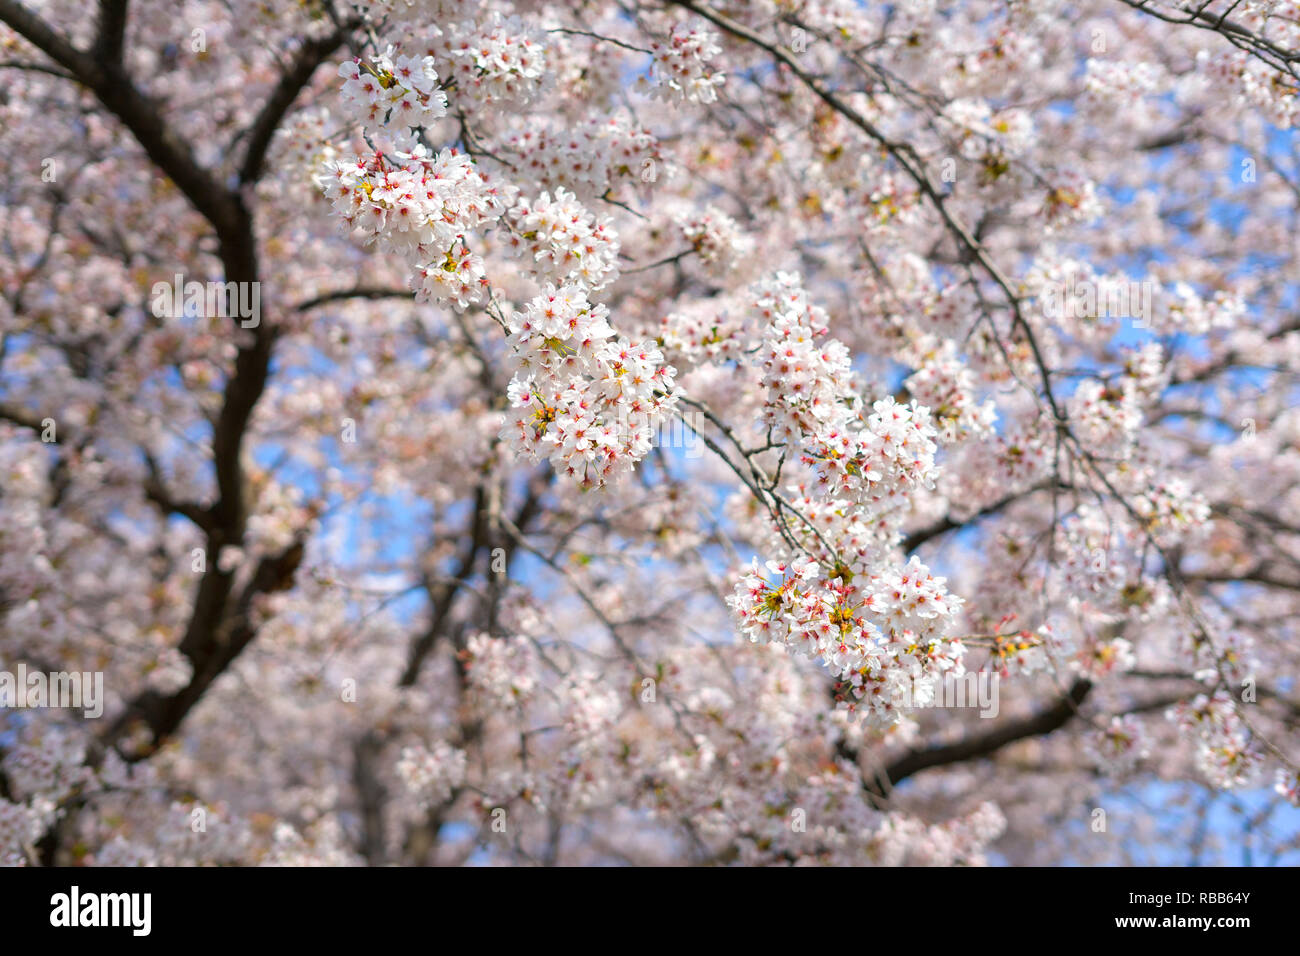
x=216 y=633
x=211 y=644
x=921 y=535
x=21 y=417
x=989 y=743
x=155 y=490
x=112 y=31
x=443 y=596
x=310 y=55
x=371 y=794
x=360 y=292
x=114 y=88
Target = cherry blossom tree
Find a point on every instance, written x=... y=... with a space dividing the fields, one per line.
x=607 y=431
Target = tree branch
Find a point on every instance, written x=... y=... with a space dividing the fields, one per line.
x=309 y=56
x=112 y=31
x=989 y=743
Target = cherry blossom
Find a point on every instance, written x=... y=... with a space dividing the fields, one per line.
x=650 y=414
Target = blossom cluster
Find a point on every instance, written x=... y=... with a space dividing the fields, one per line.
x=880 y=634
x=496 y=58
x=717 y=240
x=432 y=774
x=422 y=207
x=1107 y=416
x=502 y=671
x=564 y=241
x=393 y=90
x=580 y=393
x=1249 y=81
x=813 y=403
x=946 y=386
x=1224 y=749
x=681 y=70
x=1119 y=746
x=590 y=157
